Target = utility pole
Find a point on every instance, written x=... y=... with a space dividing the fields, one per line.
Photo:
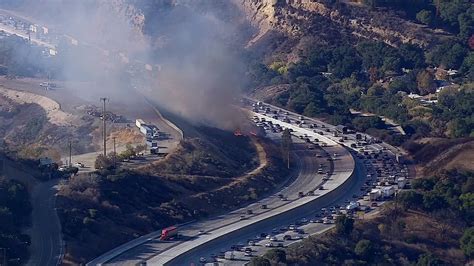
x=70 y=153
x=115 y=154
x=286 y=144
x=104 y=132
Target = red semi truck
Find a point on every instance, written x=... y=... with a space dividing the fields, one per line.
x=168 y=233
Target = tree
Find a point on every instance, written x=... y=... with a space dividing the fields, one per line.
x=102 y=162
x=433 y=201
x=364 y=249
x=412 y=55
x=467 y=207
x=276 y=256
x=466 y=24
x=429 y=259
x=362 y=123
x=425 y=17
x=259 y=261
x=450 y=10
x=425 y=81
x=410 y=199
x=467 y=243
x=286 y=144
x=344 y=225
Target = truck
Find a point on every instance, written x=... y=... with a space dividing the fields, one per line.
x=375 y=194
x=401 y=182
x=169 y=233
x=139 y=123
x=146 y=131
x=229 y=255
x=388 y=192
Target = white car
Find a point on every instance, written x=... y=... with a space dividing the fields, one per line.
x=269 y=244
x=79 y=165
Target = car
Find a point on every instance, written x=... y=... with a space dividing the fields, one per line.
x=321 y=188
x=287 y=237
x=247 y=249
x=269 y=244
x=300 y=194
x=248 y=254
x=280 y=245
x=251 y=243
x=62 y=169
x=202 y=260
x=263 y=235
x=304 y=221
x=249 y=212
x=273 y=238
x=268 y=237
x=79 y=165
x=242 y=217
x=374 y=204
x=326 y=221
x=264 y=206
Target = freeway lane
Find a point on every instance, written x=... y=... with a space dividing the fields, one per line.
x=240 y=232
x=309 y=229
x=213 y=230
x=306 y=179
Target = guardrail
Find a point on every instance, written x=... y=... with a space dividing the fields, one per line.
x=104 y=258
x=169 y=123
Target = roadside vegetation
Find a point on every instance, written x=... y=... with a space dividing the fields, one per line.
x=199 y=180
x=15 y=212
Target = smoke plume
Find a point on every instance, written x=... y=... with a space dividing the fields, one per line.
x=192 y=49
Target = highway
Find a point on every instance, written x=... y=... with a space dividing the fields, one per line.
x=348 y=181
x=199 y=233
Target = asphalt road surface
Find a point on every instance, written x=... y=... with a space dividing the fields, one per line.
x=46 y=242
x=47 y=245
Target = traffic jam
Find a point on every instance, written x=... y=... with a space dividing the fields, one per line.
x=385 y=175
